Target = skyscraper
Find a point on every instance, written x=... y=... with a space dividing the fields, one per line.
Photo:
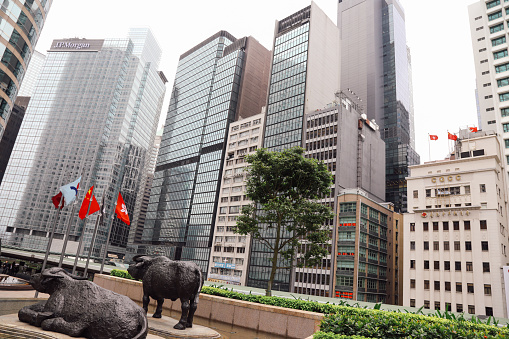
x=93 y=114
x=375 y=65
x=31 y=75
x=21 y=25
x=304 y=78
x=217 y=81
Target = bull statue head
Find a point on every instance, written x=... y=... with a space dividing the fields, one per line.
x=138 y=269
x=48 y=280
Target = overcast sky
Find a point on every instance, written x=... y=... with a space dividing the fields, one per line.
x=438 y=34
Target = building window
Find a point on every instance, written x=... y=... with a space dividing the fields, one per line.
x=489 y=311
x=412 y=227
x=428 y=193
x=445 y=225
x=495 y=15
x=500 y=69
x=456 y=225
x=459 y=287
x=492 y=4
x=426 y=264
x=436 y=265
x=503 y=97
x=484 y=245
x=426 y=245
x=416 y=194
x=448 y=286
x=446 y=246
x=466 y=224
x=412 y=283
x=503 y=82
x=496 y=28
x=457 y=246
x=471 y=309
x=469 y=266
x=437 y=305
x=459 y=308
x=412 y=245
x=468 y=245
x=412 y=263
x=435 y=226
x=447 y=265
x=437 y=286
x=436 y=246
x=426 y=304
x=487 y=289
x=426 y=284
x=470 y=287
x=412 y=302
x=457 y=265
x=483 y=224
x=425 y=226
x=498 y=41
x=485 y=267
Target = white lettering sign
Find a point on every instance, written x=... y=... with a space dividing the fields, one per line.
x=72 y=45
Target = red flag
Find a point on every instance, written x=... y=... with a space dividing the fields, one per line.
x=433 y=137
x=121 y=210
x=56 y=200
x=473 y=129
x=94 y=207
x=452 y=136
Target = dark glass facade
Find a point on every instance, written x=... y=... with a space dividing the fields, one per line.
x=397 y=98
x=21 y=23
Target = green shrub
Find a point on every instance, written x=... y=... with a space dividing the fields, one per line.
x=328 y=335
x=121 y=274
x=384 y=324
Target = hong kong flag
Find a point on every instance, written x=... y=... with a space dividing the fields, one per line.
x=121 y=210
x=473 y=129
x=433 y=137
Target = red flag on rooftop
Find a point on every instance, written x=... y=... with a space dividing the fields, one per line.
x=452 y=136
x=94 y=206
x=473 y=129
x=433 y=137
x=121 y=210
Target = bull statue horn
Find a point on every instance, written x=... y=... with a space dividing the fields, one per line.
x=49 y=274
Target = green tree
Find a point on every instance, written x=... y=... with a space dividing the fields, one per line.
x=284 y=187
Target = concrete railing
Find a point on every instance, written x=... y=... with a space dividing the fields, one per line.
x=265 y=318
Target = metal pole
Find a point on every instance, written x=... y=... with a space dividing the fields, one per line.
x=106 y=247
x=50 y=240
x=83 y=234
x=67 y=231
x=92 y=244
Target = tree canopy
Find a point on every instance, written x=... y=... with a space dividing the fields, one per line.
x=283 y=187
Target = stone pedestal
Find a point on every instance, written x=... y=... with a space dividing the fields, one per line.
x=12 y=328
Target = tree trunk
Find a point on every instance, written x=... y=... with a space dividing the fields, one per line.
x=268 y=292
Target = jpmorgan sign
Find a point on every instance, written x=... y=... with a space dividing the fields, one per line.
x=76 y=45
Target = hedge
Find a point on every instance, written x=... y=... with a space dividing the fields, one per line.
x=121 y=274
x=384 y=324
x=327 y=335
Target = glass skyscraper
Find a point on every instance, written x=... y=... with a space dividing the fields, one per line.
x=206 y=97
x=21 y=23
x=375 y=65
x=93 y=114
x=304 y=78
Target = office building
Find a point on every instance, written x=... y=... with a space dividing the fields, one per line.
x=304 y=77
x=230 y=251
x=456 y=241
x=22 y=23
x=364 y=248
x=375 y=65
x=93 y=114
x=351 y=147
x=217 y=82
x=32 y=74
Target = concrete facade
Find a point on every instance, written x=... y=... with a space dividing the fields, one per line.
x=456 y=230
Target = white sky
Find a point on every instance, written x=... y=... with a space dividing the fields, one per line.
x=438 y=34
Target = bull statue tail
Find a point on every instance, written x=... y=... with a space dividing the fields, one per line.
x=144 y=330
x=200 y=285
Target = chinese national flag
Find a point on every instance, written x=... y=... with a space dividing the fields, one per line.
x=473 y=129
x=94 y=207
x=433 y=137
x=452 y=136
x=121 y=210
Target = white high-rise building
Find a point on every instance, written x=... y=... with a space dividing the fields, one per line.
x=455 y=243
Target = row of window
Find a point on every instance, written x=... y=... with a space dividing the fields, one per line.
x=447 y=265
x=447 y=286
x=229 y=249
x=483 y=225
x=457 y=245
x=459 y=307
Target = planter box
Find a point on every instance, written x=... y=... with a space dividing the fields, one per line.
x=272 y=319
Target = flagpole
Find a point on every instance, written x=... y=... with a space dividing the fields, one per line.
x=67 y=231
x=107 y=243
x=82 y=234
x=429 y=148
x=50 y=240
x=92 y=244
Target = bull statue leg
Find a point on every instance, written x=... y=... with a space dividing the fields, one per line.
x=192 y=309
x=33 y=314
x=182 y=324
x=159 y=309
x=146 y=300
x=73 y=329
